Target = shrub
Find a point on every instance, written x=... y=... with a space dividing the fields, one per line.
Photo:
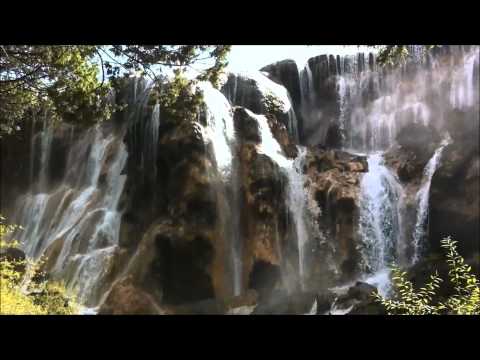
x=23 y=287
x=407 y=301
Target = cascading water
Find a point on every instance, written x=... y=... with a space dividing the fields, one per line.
x=80 y=216
x=220 y=130
x=45 y=152
x=380 y=219
x=374 y=104
x=422 y=201
x=151 y=138
x=297 y=205
x=76 y=221
x=296 y=194
x=220 y=133
x=268 y=91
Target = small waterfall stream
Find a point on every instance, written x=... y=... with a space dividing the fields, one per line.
x=422 y=201
x=220 y=133
x=296 y=194
x=380 y=219
x=80 y=216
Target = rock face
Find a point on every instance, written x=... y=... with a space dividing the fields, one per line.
x=415 y=145
x=333 y=183
x=126 y=298
x=244 y=91
x=258 y=93
x=286 y=73
x=454 y=199
x=263 y=211
x=360 y=301
x=283 y=303
x=454 y=192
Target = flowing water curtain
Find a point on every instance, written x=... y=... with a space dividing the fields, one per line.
x=421 y=226
x=379 y=220
x=374 y=102
x=79 y=216
x=220 y=133
x=296 y=199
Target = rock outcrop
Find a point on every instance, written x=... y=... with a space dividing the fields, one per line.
x=333 y=183
x=455 y=198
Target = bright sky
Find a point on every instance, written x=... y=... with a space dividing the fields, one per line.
x=254 y=57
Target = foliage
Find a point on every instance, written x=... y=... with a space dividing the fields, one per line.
x=61 y=80
x=65 y=82
x=180 y=99
x=23 y=287
x=272 y=104
x=396 y=54
x=465 y=301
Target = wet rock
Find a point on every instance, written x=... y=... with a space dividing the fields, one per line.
x=237 y=305
x=257 y=93
x=360 y=299
x=334 y=188
x=286 y=73
x=248 y=299
x=282 y=303
x=420 y=139
x=15 y=256
x=325 y=301
x=334 y=136
x=11 y=254
x=181 y=268
x=264 y=277
x=203 y=307
x=416 y=144
x=127 y=298
x=454 y=204
x=243 y=91
x=246 y=126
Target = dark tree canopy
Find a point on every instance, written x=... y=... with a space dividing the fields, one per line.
x=70 y=82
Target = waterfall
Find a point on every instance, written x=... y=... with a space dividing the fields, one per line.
x=307 y=90
x=80 y=216
x=422 y=201
x=220 y=133
x=45 y=152
x=374 y=103
x=257 y=83
x=151 y=138
x=379 y=220
x=296 y=199
x=297 y=202
x=220 y=130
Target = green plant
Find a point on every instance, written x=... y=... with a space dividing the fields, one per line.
x=408 y=301
x=273 y=105
x=23 y=287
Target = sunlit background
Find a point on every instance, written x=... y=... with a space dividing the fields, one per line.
x=254 y=57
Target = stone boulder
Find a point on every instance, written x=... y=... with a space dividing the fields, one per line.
x=359 y=299
x=14 y=255
x=286 y=73
x=260 y=95
x=334 y=186
x=126 y=298
x=421 y=139
x=325 y=301
x=454 y=204
x=246 y=126
x=282 y=303
x=238 y=305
